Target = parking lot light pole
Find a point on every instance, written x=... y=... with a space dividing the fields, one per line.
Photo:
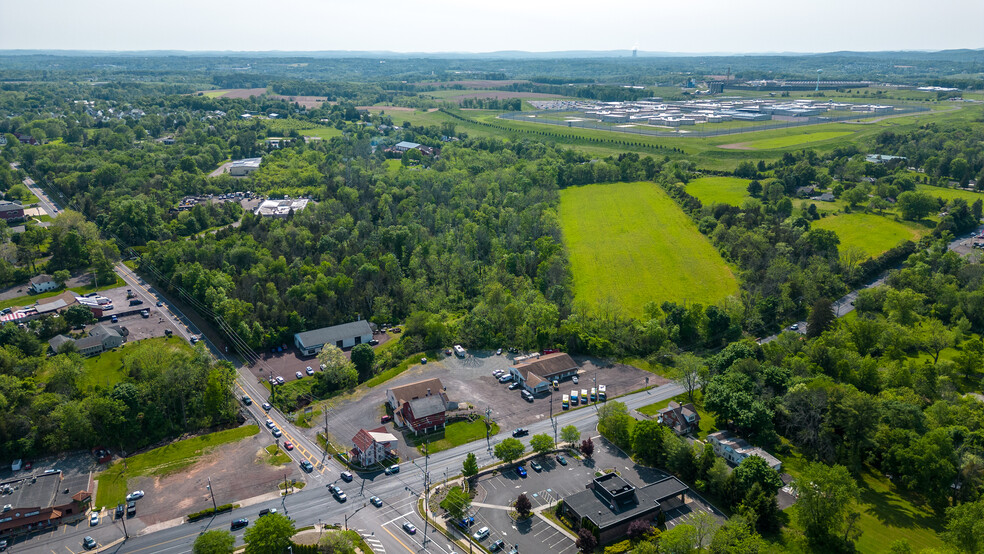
x=211 y=492
x=488 y=427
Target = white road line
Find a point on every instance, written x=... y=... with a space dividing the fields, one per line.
x=399 y=517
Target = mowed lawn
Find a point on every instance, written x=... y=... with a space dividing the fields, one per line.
x=874 y=234
x=795 y=140
x=630 y=244
x=454 y=434
x=719 y=190
x=322 y=132
x=950 y=194
x=112 y=483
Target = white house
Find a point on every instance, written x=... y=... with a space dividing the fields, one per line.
x=735 y=449
x=42 y=283
x=372 y=446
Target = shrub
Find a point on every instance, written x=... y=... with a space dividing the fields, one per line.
x=205 y=513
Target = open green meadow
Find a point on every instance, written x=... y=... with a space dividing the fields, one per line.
x=950 y=194
x=106 y=369
x=719 y=190
x=162 y=461
x=795 y=140
x=322 y=132
x=874 y=234
x=630 y=244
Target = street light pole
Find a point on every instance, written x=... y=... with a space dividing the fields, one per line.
x=211 y=492
x=488 y=427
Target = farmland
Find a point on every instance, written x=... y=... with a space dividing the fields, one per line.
x=795 y=140
x=630 y=244
x=719 y=190
x=873 y=234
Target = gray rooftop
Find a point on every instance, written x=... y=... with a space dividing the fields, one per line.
x=333 y=334
x=593 y=505
x=6 y=205
x=427 y=406
x=40 y=494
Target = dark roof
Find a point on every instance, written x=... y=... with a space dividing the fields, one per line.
x=548 y=365
x=333 y=334
x=38 y=279
x=59 y=340
x=6 y=206
x=39 y=494
x=417 y=389
x=427 y=406
x=593 y=505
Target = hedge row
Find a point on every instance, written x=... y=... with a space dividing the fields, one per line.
x=205 y=513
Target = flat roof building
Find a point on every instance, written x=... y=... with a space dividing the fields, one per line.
x=281 y=208
x=735 y=449
x=41 y=502
x=345 y=335
x=244 y=167
x=536 y=375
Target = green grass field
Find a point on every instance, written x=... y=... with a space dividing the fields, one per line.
x=874 y=234
x=161 y=461
x=719 y=190
x=455 y=434
x=950 y=194
x=323 y=132
x=106 y=369
x=630 y=244
x=795 y=140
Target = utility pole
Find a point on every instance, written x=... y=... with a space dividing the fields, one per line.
x=488 y=427
x=211 y=492
x=125 y=534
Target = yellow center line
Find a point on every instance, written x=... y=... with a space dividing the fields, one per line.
x=398 y=540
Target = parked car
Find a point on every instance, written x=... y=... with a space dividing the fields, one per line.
x=497 y=546
x=520 y=432
x=288 y=445
x=409 y=528
x=386 y=418
x=346 y=476
x=498 y=373
x=120 y=509
x=376 y=501
x=561 y=460
x=89 y=543
x=299 y=375
x=505 y=378
x=373 y=342
x=131 y=508
x=114 y=319
x=602 y=393
x=550 y=351
x=521 y=471
x=94 y=519
x=794 y=327
x=514 y=386
x=309 y=370
x=135 y=495
x=307 y=466
x=536 y=467
x=280 y=380
x=481 y=534
x=574 y=379
x=145 y=314
x=136 y=302
x=247 y=400
x=498 y=352
x=466 y=522
x=238 y=523
x=395 y=468
x=527 y=395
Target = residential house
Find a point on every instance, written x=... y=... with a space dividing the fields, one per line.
x=11 y=210
x=42 y=283
x=372 y=446
x=735 y=449
x=101 y=338
x=421 y=405
x=536 y=375
x=681 y=419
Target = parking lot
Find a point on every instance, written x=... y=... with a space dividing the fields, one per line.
x=555 y=482
x=288 y=362
x=469 y=381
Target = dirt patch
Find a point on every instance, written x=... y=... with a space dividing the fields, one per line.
x=309 y=102
x=238 y=471
x=736 y=146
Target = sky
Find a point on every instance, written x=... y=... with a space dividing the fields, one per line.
x=693 y=26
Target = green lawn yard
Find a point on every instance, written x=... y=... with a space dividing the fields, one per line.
x=106 y=369
x=112 y=483
x=795 y=140
x=631 y=244
x=950 y=194
x=719 y=190
x=874 y=234
x=707 y=422
x=455 y=434
x=323 y=132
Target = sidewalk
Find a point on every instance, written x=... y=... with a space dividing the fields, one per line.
x=180 y=520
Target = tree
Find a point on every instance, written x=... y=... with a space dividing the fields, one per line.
x=638 y=529
x=737 y=536
x=570 y=434
x=754 y=188
x=216 y=541
x=916 y=205
x=936 y=337
x=337 y=542
x=965 y=526
x=648 y=440
x=680 y=540
x=338 y=372
x=509 y=450
x=469 y=468
x=827 y=496
x=754 y=469
x=586 y=541
x=541 y=443
x=704 y=527
x=523 y=506
x=456 y=503
x=690 y=371
x=363 y=356
x=587 y=447
x=79 y=315
x=821 y=318
x=615 y=423
x=61 y=277
x=269 y=535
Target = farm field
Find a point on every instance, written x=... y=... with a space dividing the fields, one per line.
x=322 y=132
x=950 y=194
x=795 y=140
x=874 y=234
x=719 y=190
x=630 y=244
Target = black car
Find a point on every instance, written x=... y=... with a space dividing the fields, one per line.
x=497 y=546
x=131 y=508
x=238 y=523
x=247 y=400
x=521 y=432
x=307 y=466
x=119 y=510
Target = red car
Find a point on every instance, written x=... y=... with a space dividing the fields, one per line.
x=386 y=419
x=288 y=445
x=550 y=351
